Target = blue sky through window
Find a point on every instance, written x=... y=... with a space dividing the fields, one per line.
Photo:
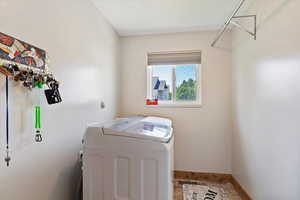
x=183 y=72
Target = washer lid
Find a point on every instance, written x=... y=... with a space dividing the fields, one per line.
x=147 y=128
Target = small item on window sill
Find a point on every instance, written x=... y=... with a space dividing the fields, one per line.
x=152 y=102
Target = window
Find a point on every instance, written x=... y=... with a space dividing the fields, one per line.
x=174 y=78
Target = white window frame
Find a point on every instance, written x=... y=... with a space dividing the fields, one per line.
x=174 y=102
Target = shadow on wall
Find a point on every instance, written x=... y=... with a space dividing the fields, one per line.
x=21 y=104
x=73 y=180
x=243 y=162
x=264 y=14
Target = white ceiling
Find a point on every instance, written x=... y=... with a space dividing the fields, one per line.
x=136 y=17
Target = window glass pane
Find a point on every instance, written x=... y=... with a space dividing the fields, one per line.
x=162 y=82
x=186 y=82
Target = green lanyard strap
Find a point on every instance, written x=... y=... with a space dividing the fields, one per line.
x=38 y=117
x=38 y=135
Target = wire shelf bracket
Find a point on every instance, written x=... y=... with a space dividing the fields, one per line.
x=238 y=25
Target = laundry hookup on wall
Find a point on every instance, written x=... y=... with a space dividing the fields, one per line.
x=28 y=66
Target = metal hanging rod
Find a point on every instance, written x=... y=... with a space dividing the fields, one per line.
x=229 y=21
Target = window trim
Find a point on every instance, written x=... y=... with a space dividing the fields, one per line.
x=171 y=104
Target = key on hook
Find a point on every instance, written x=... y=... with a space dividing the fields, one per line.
x=7 y=159
x=38 y=137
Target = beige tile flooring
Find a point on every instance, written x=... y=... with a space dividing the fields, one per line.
x=231 y=194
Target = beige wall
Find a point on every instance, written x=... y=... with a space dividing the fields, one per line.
x=83 y=51
x=266 y=83
x=202 y=135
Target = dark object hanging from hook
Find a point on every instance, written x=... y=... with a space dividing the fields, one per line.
x=7 y=158
x=38 y=137
x=53 y=96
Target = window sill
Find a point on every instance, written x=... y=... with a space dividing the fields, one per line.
x=175 y=105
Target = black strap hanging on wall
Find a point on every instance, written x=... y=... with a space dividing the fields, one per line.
x=7 y=158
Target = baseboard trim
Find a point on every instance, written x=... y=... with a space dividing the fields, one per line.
x=215 y=177
x=237 y=186
x=188 y=175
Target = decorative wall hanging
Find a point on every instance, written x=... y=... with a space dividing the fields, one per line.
x=28 y=65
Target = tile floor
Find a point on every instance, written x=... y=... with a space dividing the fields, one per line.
x=231 y=194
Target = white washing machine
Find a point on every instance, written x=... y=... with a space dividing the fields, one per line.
x=129 y=159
